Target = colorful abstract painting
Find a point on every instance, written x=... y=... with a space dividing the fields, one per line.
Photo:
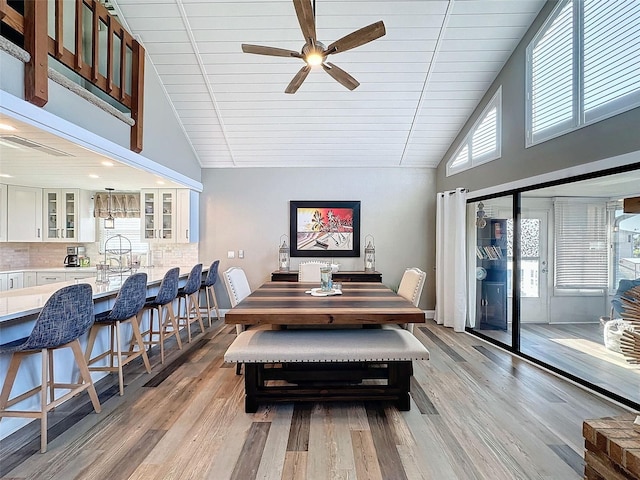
x=325 y=228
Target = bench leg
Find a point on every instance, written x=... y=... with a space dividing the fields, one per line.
x=251 y=384
x=400 y=376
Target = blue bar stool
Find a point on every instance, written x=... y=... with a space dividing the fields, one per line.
x=162 y=304
x=191 y=305
x=208 y=285
x=128 y=304
x=65 y=317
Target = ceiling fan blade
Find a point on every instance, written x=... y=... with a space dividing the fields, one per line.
x=357 y=38
x=306 y=19
x=340 y=76
x=273 y=51
x=294 y=85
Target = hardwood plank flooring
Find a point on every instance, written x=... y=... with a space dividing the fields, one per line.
x=477 y=412
x=578 y=348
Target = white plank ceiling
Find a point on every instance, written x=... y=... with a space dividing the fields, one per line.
x=418 y=84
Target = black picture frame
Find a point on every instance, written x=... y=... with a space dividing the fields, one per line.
x=324 y=228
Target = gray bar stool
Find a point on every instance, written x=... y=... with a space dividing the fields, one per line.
x=64 y=318
x=128 y=304
x=208 y=285
x=162 y=304
x=191 y=305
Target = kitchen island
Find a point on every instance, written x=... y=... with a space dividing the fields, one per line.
x=19 y=309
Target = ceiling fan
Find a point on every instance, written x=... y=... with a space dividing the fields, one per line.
x=314 y=52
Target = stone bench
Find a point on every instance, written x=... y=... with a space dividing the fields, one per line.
x=325 y=364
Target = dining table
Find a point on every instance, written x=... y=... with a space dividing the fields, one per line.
x=292 y=303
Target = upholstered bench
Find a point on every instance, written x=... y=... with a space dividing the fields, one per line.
x=318 y=365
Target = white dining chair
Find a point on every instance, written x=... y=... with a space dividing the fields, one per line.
x=411 y=287
x=310 y=271
x=237 y=285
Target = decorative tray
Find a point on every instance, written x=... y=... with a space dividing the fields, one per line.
x=316 y=292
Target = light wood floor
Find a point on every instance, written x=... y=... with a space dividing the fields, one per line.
x=476 y=413
x=578 y=348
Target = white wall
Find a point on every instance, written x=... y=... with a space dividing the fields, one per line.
x=248 y=209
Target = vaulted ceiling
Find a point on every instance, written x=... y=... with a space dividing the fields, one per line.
x=418 y=84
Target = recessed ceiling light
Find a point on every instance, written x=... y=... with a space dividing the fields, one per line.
x=5 y=175
x=7 y=127
x=107 y=163
x=160 y=182
x=93 y=175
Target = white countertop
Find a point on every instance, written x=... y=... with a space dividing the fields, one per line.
x=23 y=302
x=52 y=270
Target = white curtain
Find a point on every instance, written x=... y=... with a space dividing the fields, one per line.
x=451 y=271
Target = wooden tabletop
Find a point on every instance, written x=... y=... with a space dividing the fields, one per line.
x=286 y=303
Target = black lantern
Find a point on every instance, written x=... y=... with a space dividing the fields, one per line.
x=369 y=254
x=283 y=255
x=109 y=222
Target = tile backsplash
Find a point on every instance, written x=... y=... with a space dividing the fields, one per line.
x=15 y=256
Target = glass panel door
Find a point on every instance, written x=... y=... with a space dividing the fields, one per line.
x=70 y=215
x=149 y=206
x=493 y=277
x=53 y=211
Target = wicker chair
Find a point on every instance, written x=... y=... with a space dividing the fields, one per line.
x=630 y=341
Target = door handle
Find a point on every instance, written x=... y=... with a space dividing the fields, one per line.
x=38 y=233
x=10 y=283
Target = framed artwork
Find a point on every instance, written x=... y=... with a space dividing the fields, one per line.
x=324 y=228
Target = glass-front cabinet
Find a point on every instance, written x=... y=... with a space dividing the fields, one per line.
x=61 y=215
x=159 y=218
x=68 y=215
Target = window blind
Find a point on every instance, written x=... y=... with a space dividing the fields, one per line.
x=461 y=158
x=611 y=51
x=485 y=137
x=552 y=73
x=127 y=227
x=581 y=254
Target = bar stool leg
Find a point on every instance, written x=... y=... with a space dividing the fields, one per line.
x=138 y=337
x=46 y=381
x=85 y=374
x=14 y=365
x=196 y=309
x=119 y=356
x=51 y=380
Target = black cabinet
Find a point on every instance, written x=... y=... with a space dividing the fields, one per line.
x=344 y=276
x=491 y=275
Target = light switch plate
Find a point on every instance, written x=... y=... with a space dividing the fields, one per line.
x=231 y=254
x=240 y=253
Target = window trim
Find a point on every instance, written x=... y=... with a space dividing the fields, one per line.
x=580 y=118
x=473 y=161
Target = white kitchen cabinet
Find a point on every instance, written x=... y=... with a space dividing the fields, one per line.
x=24 y=214
x=187 y=216
x=44 y=278
x=78 y=275
x=3 y=213
x=158 y=215
x=3 y=282
x=15 y=280
x=68 y=216
x=29 y=279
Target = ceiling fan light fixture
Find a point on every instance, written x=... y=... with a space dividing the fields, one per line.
x=313 y=54
x=314 y=59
